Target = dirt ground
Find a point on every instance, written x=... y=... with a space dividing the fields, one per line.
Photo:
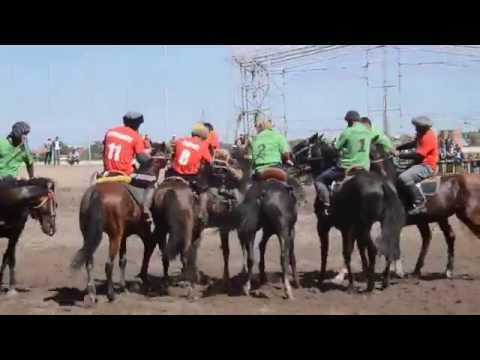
x=46 y=285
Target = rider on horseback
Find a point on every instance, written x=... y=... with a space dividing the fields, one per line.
x=14 y=152
x=212 y=139
x=379 y=136
x=426 y=159
x=270 y=149
x=190 y=154
x=122 y=145
x=354 y=146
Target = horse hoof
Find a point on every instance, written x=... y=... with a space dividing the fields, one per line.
x=246 y=290
x=11 y=292
x=449 y=274
x=111 y=296
x=89 y=300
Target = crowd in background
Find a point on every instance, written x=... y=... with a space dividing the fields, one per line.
x=52 y=151
x=451 y=151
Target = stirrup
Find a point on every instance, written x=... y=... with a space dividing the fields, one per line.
x=418 y=209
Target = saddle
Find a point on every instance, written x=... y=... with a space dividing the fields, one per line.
x=273 y=174
x=110 y=176
x=430 y=186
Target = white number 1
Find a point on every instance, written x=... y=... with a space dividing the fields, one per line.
x=114 y=151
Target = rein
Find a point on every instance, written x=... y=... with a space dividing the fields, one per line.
x=50 y=198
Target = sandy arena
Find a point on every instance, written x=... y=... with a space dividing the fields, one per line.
x=46 y=284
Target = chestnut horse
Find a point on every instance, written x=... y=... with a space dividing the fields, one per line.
x=109 y=207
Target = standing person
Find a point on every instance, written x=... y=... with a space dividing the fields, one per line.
x=56 y=151
x=14 y=152
x=426 y=159
x=48 y=152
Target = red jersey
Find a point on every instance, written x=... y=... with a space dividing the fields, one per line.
x=427 y=146
x=121 y=144
x=213 y=142
x=189 y=154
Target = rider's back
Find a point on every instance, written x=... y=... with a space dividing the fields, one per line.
x=121 y=144
x=355 y=144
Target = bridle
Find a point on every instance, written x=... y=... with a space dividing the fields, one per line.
x=51 y=200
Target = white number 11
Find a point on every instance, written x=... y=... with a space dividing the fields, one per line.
x=114 y=151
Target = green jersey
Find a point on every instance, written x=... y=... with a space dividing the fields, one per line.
x=354 y=144
x=12 y=157
x=267 y=149
x=379 y=137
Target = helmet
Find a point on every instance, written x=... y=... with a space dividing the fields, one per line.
x=133 y=119
x=200 y=130
x=352 y=115
x=422 y=121
x=20 y=129
x=209 y=126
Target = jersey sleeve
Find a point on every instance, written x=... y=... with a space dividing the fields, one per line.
x=380 y=138
x=342 y=140
x=283 y=144
x=205 y=152
x=139 y=145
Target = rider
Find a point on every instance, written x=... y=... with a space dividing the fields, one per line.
x=269 y=147
x=354 y=146
x=14 y=152
x=378 y=136
x=212 y=139
x=122 y=145
x=425 y=157
x=190 y=154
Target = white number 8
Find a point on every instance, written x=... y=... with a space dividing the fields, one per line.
x=184 y=157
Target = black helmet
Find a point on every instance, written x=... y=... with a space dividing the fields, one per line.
x=208 y=125
x=20 y=129
x=133 y=119
x=352 y=115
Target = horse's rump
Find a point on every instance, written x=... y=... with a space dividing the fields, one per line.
x=273 y=174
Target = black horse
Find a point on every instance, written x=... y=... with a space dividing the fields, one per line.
x=269 y=205
x=21 y=198
x=363 y=199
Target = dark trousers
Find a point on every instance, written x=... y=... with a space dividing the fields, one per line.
x=325 y=179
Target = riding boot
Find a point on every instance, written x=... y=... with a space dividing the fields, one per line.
x=418 y=206
x=323 y=196
x=147 y=203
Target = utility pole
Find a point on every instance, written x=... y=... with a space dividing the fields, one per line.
x=285 y=124
x=385 y=93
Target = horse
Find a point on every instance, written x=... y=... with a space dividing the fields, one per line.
x=363 y=199
x=21 y=198
x=270 y=205
x=110 y=208
x=457 y=194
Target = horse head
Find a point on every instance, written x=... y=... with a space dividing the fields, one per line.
x=43 y=205
x=159 y=160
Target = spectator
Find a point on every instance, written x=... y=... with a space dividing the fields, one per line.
x=48 y=152
x=56 y=152
x=147 y=142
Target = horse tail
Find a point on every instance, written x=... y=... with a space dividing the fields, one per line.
x=180 y=221
x=91 y=225
x=393 y=221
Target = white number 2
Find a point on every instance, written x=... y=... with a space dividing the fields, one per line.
x=184 y=157
x=114 y=151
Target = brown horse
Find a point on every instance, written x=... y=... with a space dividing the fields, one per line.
x=174 y=211
x=109 y=207
x=19 y=199
x=456 y=195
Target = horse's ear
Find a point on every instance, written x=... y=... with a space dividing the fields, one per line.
x=320 y=137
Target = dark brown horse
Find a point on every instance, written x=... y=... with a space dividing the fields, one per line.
x=21 y=198
x=456 y=195
x=110 y=208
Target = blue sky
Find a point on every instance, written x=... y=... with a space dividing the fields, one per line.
x=77 y=92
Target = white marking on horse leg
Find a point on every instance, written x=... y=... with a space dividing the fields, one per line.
x=340 y=276
x=449 y=274
x=288 y=289
x=246 y=288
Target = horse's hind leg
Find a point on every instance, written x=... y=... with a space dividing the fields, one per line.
x=324 y=242
x=263 y=246
x=91 y=296
x=285 y=260
x=372 y=254
x=113 y=251
x=247 y=241
x=450 y=239
x=226 y=254
x=293 y=260
x=348 y=242
x=122 y=263
x=426 y=234
x=148 y=248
